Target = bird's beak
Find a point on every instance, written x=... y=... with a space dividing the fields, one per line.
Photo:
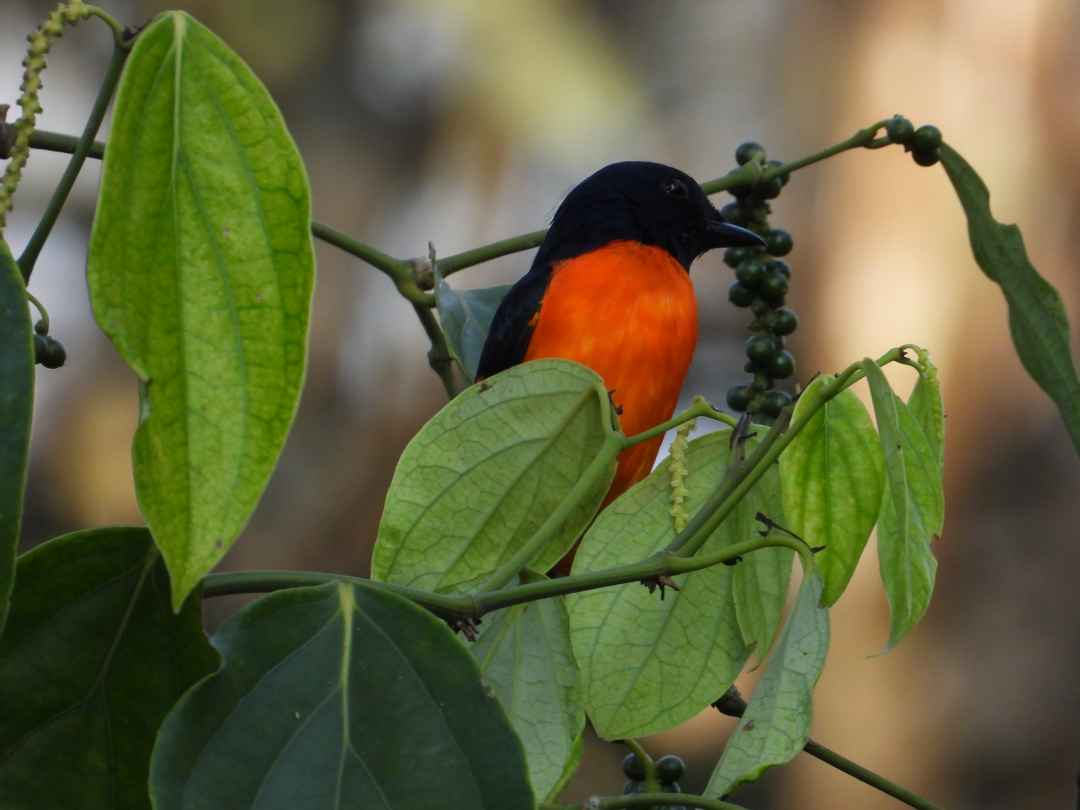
x=721 y=233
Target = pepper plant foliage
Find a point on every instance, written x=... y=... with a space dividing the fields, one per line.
x=340 y=692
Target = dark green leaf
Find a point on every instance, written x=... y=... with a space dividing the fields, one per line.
x=912 y=507
x=484 y=474
x=92 y=660
x=524 y=656
x=776 y=724
x=1037 y=320
x=466 y=318
x=16 y=409
x=339 y=697
x=200 y=271
x=649 y=663
x=832 y=481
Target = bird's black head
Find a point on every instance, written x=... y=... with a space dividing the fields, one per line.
x=644 y=202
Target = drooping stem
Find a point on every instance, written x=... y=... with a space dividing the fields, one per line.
x=816 y=749
x=78 y=158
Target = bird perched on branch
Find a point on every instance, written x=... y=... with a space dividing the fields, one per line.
x=610 y=289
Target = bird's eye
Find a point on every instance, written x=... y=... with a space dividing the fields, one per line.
x=674 y=187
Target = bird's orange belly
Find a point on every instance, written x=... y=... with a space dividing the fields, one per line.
x=628 y=312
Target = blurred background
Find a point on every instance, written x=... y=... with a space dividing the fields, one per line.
x=464 y=122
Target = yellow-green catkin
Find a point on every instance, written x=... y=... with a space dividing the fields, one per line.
x=40 y=41
x=677 y=470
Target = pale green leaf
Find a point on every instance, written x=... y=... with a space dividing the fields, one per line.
x=776 y=723
x=200 y=272
x=1037 y=319
x=16 y=410
x=649 y=663
x=926 y=406
x=484 y=473
x=525 y=657
x=339 y=697
x=466 y=317
x=912 y=506
x=832 y=480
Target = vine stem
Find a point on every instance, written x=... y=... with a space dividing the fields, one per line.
x=410 y=283
x=646 y=800
x=733 y=705
x=78 y=158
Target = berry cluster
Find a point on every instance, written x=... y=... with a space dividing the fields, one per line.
x=669 y=770
x=48 y=351
x=761 y=284
x=923 y=143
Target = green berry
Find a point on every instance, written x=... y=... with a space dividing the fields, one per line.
x=55 y=354
x=734 y=256
x=41 y=347
x=760 y=307
x=782 y=365
x=773 y=402
x=777 y=266
x=633 y=767
x=778 y=242
x=733 y=212
x=670 y=768
x=750 y=273
x=633 y=786
x=899 y=129
x=782 y=321
x=739 y=295
x=924 y=158
x=738 y=398
x=41 y=328
x=761 y=348
x=926 y=138
x=773 y=287
x=783 y=178
x=770 y=189
x=748 y=151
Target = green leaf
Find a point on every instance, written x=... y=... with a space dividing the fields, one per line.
x=339 y=697
x=648 y=664
x=16 y=410
x=832 y=480
x=466 y=318
x=926 y=406
x=776 y=724
x=525 y=657
x=760 y=581
x=912 y=507
x=1037 y=319
x=92 y=660
x=485 y=472
x=200 y=272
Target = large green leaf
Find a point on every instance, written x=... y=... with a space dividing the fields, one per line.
x=484 y=473
x=1037 y=319
x=338 y=697
x=466 y=318
x=16 y=409
x=200 y=271
x=524 y=656
x=648 y=663
x=92 y=660
x=832 y=481
x=911 y=510
x=776 y=723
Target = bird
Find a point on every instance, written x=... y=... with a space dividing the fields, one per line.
x=610 y=288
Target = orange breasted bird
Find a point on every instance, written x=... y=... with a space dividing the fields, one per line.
x=610 y=288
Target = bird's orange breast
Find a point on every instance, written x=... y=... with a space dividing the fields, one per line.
x=628 y=312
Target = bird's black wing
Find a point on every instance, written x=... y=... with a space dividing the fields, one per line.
x=512 y=327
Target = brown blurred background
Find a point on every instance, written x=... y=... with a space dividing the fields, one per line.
x=463 y=122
